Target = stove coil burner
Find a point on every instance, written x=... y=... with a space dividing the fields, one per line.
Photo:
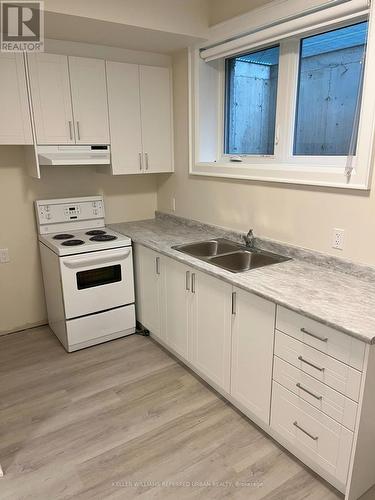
x=95 y=232
x=103 y=237
x=72 y=243
x=63 y=236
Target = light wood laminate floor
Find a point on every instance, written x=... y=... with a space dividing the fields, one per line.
x=124 y=420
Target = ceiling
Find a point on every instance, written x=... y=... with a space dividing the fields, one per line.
x=221 y=10
x=83 y=29
x=133 y=29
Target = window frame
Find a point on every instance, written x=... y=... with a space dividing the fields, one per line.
x=283 y=165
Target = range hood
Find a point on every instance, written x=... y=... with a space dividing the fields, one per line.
x=78 y=155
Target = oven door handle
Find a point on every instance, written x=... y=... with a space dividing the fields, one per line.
x=93 y=261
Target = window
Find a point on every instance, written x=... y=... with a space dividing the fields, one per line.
x=290 y=101
x=251 y=102
x=328 y=88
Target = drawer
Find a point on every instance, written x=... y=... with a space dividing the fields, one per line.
x=97 y=328
x=328 y=340
x=307 y=429
x=319 y=395
x=341 y=377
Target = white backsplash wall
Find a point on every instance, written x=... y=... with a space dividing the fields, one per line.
x=21 y=290
x=303 y=216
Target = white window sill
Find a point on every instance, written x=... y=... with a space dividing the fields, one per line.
x=302 y=174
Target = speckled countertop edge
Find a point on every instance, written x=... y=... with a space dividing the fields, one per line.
x=341 y=299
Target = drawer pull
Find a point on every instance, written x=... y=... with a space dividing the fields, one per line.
x=314 y=438
x=311 y=364
x=309 y=392
x=313 y=335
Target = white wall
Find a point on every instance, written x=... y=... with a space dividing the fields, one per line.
x=292 y=214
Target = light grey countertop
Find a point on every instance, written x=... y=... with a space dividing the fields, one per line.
x=338 y=299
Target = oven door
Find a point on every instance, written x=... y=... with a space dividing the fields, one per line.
x=97 y=281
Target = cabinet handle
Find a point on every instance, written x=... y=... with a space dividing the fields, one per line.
x=146 y=158
x=187 y=281
x=140 y=161
x=157 y=265
x=319 y=398
x=323 y=339
x=193 y=283
x=78 y=131
x=71 y=129
x=234 y=303
x=311 y=364
x=314 y=438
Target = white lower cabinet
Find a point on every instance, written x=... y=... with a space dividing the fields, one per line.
x=252 y=353
x=177 y=298
x=210 y=328
x=315 y=392
x=149 y=277
x=224 y=333
x=311 y=390
x=311 y=432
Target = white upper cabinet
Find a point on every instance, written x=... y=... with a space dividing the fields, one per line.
x=124 y=104
x=156 y=115
x=69 y=99
x=89 y=98
x=15 y=123
x=52 y=105
x=140 y=114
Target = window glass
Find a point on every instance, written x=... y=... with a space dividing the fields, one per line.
x=251 y=88
x=329 y=87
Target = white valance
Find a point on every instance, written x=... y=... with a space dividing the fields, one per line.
x=317 y=16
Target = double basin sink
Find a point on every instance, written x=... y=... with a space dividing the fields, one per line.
x=229 y=255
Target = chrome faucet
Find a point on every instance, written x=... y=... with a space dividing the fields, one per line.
x=250 y=239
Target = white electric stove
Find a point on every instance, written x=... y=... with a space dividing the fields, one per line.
x=87 y=272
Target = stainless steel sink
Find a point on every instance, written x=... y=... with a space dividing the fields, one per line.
x=208 y=248
x=229 y=255
x=238 y=262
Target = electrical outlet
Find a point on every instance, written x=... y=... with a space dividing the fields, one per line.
x=173 y=204
x=338 y=239
x=4 y=255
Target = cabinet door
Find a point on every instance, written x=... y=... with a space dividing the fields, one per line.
x=252 y=353
x=176 y=306
x=149 y=274
x=51 y=99
x=156 y=114
x=89 y=96
x=124 y=117
x=15 y=123
x=210 y=330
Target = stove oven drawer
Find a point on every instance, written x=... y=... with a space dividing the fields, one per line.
x=101 y=327
x=97 y=281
